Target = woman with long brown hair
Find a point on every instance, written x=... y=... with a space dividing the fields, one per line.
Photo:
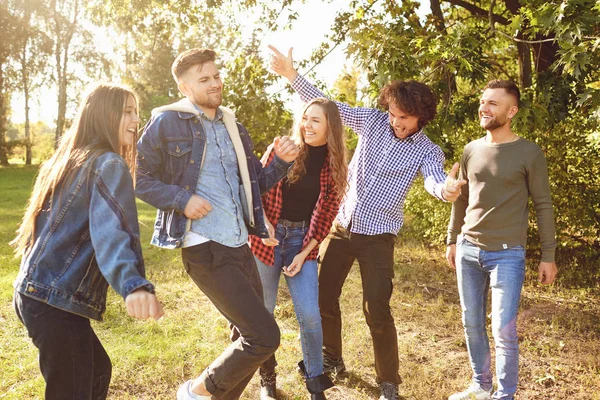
x=79 y=234
x=302 y=209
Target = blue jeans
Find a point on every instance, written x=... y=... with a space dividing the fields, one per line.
x=72 y=360
x=304 y=289
x=504 y=271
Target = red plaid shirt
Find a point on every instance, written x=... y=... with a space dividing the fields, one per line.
x=320 y=221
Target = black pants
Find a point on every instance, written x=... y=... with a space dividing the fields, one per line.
x=73 y=362
x=375 y=255
x=229 y=278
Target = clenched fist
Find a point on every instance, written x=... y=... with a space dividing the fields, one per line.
x=285 y=148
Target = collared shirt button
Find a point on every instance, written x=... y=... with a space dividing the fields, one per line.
x=192 y=161
x=187 y=187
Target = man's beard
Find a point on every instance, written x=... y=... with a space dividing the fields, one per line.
x=493 y=123
x=211 y=101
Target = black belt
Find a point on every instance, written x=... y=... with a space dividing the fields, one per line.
x=293 y=224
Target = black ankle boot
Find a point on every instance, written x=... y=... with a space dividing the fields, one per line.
x=317 y=385
x=268 y=386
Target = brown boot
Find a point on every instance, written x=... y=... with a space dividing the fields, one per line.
x=268 y=386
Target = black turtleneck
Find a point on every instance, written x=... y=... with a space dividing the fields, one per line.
x=299 y=198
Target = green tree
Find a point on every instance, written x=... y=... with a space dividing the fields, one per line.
x=10 y=29
x=35 y=47
x=550 y=47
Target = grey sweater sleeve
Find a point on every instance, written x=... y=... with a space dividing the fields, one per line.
x=539 y=190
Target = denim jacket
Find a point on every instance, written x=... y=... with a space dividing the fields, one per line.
x=86 y=239
x=170 y=156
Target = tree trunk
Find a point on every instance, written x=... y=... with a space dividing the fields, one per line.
x=25 y=85
x=28 y=135
x=3 y=119
x=64 y=32
x=524 y=58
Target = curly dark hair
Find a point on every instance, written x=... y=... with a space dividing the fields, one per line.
x=412 y=97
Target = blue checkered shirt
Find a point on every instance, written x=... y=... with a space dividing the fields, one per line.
x=382 y=169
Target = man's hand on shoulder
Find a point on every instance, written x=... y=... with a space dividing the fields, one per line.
x=197 y=207
x=285 y=148
x=547 y=272
x=451 y=189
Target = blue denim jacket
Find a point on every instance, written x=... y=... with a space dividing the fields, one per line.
x=87 y=239
x=170 y=156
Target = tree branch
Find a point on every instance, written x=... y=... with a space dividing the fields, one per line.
x=478 y=11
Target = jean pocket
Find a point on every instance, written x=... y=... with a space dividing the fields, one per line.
x=33 y=308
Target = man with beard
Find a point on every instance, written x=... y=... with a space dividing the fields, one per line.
x=487 y=237
x=195 y=164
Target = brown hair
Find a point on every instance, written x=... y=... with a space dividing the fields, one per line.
x=191 y=58
x=412 y=97
x=94 y=131
x=336 y=147
x=510 y=87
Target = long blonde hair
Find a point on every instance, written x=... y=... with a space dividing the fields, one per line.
x=94 y=131
x=336 y=146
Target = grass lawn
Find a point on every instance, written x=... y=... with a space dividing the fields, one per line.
x=559 y=329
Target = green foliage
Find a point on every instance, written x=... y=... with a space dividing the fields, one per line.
x=456 y=53
x=263 y=115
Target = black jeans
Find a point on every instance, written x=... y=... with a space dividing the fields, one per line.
x=73 y=362
x=375 y=255
x=229 y=278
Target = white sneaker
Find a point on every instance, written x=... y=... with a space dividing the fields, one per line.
x=474 y=392
x=184 y=393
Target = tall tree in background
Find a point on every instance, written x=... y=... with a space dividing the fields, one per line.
x=64 y=22
x=10 y=31
x=35 y=46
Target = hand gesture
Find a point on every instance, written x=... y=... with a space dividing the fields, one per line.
x=295 y=266
x=271 y=241
x=451 y=189
x=143 y=305
x=547 y=272
x=285 y=148
x=282 y=65
x=197 y=207
x=451 y=255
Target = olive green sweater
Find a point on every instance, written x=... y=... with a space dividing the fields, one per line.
x=492 y=210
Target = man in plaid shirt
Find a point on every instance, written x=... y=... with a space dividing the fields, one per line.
x=392 y=150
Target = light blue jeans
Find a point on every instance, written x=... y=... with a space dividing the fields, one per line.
x=304 y=289
x=504 y=271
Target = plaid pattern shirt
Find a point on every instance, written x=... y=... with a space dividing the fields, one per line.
x=382 y=169
x=320 y=221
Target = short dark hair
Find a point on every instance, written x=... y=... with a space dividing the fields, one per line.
x=510 y=87
x=412 y=97
x=190 y=58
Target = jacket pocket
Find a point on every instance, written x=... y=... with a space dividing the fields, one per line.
x=178 y=152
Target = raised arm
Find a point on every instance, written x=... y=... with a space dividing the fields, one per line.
x=352 y=117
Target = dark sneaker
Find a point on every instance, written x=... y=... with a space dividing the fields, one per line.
x=389 y=391
x=331 y=366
